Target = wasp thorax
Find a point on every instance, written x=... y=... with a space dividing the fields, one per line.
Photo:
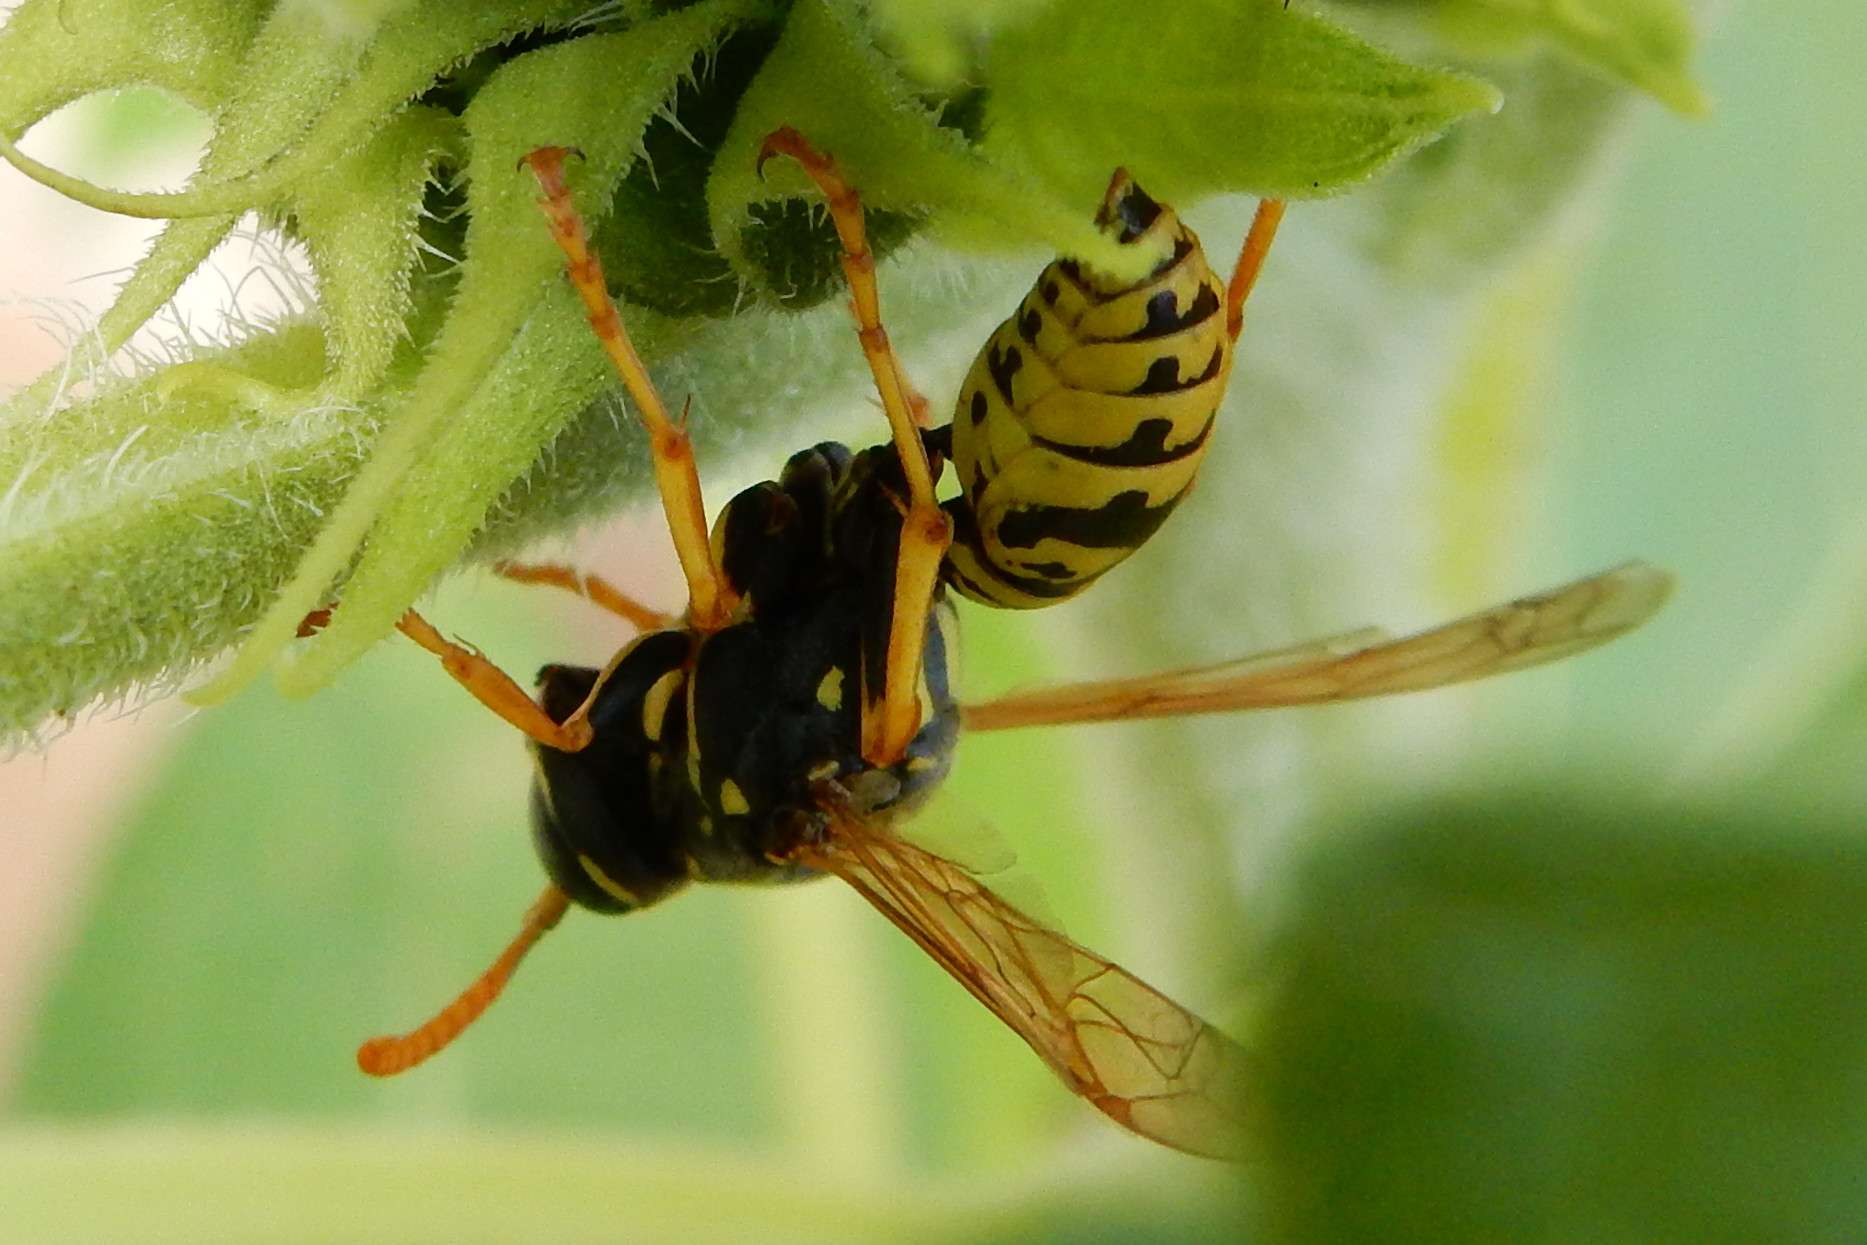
x=708 y=745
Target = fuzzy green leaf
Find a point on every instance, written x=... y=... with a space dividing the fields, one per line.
x=301 y=97
x=511 y=319
x=56 y=51
x=656 y=248
x=411 y=48
x=826 y=80
x=428 y=378
x=359 y=224
x=1647 y=43
x=136 y=531
x=1226 y=95
x=287 y=73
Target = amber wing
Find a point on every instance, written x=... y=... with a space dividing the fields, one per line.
x=1525 y=632
x=1140 y=1058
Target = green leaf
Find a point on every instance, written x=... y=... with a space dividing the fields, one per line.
x=298 y=99
x=656 y=249
x=1562 y=1020
x=185 y=1184
x=827 y=80
x=1646 y=43
x=1070 y=95
x=128 y=545
x=283 y=75
x=1223 y=95
x=56 y=51
x=511 y=365
x=319 y=128
x=359 y=223
x=188 y=1183
x=1486 y=194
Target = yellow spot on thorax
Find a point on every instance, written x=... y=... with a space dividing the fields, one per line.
x=733 y=800
x=830 y=690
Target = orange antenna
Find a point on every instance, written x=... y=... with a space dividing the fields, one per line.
x=1250 y=262
x=386 y=1056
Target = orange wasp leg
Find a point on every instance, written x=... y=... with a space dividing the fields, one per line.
x=495 y=689
x=1251 y=255
x=492 y=686
x=709 y=599
x=592 y=588
x=387 y=1056
x=888 y=723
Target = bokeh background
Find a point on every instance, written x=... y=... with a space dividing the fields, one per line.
x=201 y=914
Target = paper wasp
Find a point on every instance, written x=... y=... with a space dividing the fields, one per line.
x=784 y=726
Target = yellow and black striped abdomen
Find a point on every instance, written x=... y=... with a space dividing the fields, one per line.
x=1082 y=422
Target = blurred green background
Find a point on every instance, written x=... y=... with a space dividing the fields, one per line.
x=1574 y=957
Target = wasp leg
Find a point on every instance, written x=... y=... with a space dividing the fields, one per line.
x=708 y=599
x=495 y=689
x=387 y=1056
x=1251 y=255
x=889 y=724
x=890 y=719
x=592 y=588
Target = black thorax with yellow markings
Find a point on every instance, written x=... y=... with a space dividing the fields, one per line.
x=1083 y=421
x=706 y=747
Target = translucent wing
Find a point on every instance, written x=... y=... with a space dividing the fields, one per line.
x=1526 y=632
x=1140 y=1058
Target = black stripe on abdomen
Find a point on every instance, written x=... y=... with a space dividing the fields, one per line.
x=1146 y=448
x=1125 y=521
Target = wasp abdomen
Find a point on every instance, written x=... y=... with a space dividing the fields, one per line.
x=1083 y=421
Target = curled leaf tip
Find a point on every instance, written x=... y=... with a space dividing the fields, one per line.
x=228 y=198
